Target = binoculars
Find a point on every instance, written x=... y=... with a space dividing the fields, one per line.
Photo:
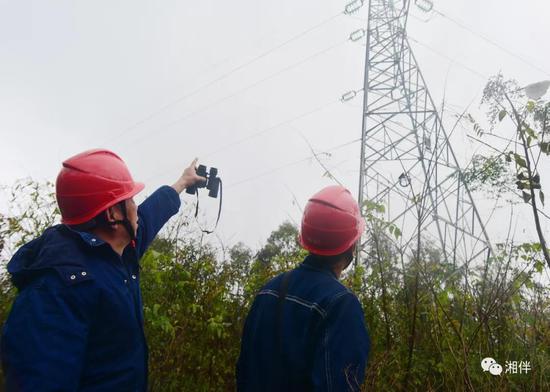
x=212 y=182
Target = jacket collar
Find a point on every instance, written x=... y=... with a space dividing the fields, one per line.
x=313 y=262
x=88 y=238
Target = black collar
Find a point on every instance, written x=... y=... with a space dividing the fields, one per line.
x=317 y=263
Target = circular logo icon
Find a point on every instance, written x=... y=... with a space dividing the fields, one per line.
x=486 y=363
x=495 y=369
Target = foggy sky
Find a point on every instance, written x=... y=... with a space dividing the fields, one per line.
x=76 y=75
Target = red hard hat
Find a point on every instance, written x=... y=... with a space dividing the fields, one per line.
x=91 y=182
x=332 y=222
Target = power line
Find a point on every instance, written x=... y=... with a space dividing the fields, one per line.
x=270 y=171
x=484 y=77
x=258 y=133
x=479 y=35
x=238 y=92
x=265 y=173
x=225 y=75
x=490 y=41
x=266 y=130
x=453 y=61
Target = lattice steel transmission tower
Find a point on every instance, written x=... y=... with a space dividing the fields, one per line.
x=407 y=161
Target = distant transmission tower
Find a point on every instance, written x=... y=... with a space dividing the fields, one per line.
x=407 y=161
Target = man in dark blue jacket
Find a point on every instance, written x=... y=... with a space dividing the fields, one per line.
x=305 y=330
x=77 y=322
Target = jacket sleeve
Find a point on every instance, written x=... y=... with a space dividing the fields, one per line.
x=240 y=371
x=153 y=213
x=44 y=338
x=248 y=340
x=341 y=355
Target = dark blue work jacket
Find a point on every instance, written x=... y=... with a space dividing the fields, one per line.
x=77 y=322
x=314 y=340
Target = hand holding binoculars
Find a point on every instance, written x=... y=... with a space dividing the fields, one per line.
x=212 y=182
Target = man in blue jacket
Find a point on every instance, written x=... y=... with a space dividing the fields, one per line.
x=305 y=330
x=77 y=322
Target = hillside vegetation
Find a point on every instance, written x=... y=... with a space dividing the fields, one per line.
x=430 y=327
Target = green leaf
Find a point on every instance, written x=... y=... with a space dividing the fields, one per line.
x=530 y=132
x=501 y=115
x=539 y=266
x=526 y=196
x=545 y=147
x=541 y=196
x=530 y=106
x=520 y=161
x=397 y=232
x=521 y=185
x=370 y=205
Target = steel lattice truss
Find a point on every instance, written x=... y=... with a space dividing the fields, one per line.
x=407 y=161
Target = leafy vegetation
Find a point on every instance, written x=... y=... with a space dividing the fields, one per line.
x=196 y=298
x=531 y=120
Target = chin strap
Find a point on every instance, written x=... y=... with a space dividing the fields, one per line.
x=349 y=255
x=126 y=223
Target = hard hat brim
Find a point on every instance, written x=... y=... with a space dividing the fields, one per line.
x=136 y=188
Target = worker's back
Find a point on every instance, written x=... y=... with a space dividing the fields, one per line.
x=313 y=340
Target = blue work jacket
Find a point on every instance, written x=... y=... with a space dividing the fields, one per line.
x=314 y=340
x=77 y=321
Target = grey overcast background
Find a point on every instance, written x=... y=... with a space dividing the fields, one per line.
x=162 y=82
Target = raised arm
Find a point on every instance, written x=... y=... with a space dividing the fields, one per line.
x=155 y=211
